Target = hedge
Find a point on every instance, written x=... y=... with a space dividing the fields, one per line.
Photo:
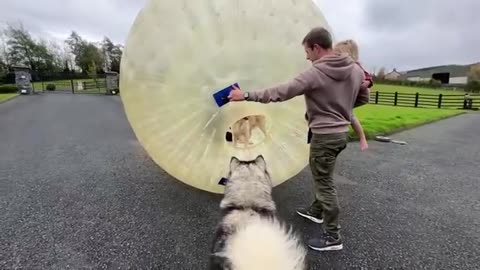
x=6 y=89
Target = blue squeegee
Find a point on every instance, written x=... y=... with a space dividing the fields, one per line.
x=221 y=97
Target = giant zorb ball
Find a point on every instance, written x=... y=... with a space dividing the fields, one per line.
x=179 y=53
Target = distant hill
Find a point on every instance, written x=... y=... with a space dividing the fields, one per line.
x=454 y=70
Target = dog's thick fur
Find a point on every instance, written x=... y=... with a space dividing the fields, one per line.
x=250 y=236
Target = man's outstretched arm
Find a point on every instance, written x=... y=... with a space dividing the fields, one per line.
x=282 y=92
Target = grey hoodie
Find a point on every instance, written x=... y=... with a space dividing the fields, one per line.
x=331 y=87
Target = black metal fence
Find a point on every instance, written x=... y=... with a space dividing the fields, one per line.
x=418 y=100
x=86 y=85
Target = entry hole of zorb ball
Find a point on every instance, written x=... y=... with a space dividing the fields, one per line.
x=247 y=132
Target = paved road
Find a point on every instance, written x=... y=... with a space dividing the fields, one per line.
x=78 y=191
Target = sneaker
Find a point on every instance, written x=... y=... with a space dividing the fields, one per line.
x=305 y=212
x=326 y=243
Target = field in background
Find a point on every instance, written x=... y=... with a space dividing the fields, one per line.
x=383 y=120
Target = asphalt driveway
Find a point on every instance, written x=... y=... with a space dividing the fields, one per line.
x=78 y=191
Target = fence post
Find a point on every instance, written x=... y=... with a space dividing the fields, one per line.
x=416 y=100
x=440 y=101
x=376 y=97
x=73 y=87
x=396 y=97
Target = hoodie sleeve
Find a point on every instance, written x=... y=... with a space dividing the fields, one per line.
x=285 y=91
x=363 y=97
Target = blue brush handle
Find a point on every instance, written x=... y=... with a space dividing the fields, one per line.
x=221 y=97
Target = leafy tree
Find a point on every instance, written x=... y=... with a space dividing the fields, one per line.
x=474 y=73
x=381 y=73
x=22 y=49
x=112 y=54
x=85 y=53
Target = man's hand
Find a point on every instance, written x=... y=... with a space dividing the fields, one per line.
x=236 y=94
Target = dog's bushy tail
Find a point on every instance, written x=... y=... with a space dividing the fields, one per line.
x=264 y=244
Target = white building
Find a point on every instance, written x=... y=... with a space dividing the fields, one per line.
x=395 y=75
x=449 y=74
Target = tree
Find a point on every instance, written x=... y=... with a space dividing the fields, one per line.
x=46 y=57
x=112 y=54
x=473 y=84
x=85 y=53
x=58 y=55
x=68 y=59
x=22 y=49
x=76 y=44
x=91 y=57
x=3 y=68
x=117 y=58
x=92 y=70
x=4 y=58
x=474 y=73
x=381 y=73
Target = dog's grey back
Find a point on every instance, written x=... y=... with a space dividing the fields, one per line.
x=248 y=215
x=247 y=193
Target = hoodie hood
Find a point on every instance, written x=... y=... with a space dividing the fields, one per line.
x=336 y=66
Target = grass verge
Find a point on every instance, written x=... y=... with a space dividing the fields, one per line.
x=5 y=97
x=385 y=120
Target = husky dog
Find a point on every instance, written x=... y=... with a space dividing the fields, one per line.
x=250 y=236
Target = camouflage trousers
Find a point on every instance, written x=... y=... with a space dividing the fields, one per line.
x=324 y=149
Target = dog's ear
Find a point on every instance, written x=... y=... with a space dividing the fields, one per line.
x=234 y=162
x=219 y=261
x=260 y=161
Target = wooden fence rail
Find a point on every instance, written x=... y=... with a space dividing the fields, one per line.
x=417 y=100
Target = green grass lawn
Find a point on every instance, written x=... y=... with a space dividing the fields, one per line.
x=383 y=120
x=4 y=97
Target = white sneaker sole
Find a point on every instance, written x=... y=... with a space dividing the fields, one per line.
x=331 y=248
x=316 y=220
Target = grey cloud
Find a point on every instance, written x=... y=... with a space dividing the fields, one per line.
x=411 y=34
x=92 y=19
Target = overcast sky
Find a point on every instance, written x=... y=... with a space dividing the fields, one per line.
x=391 y=33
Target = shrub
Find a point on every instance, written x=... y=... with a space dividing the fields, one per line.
x=51 y=87
x=6 y=89
x=473 y=86
x=435 y=83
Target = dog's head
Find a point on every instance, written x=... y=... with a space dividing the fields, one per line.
x=256 y=168
x=248 y=184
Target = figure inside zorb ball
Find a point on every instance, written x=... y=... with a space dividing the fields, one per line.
x=180 y=53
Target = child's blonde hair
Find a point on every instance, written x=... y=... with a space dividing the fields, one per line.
x=347 y=46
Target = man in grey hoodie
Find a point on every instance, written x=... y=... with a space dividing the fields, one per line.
x=332 y=87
